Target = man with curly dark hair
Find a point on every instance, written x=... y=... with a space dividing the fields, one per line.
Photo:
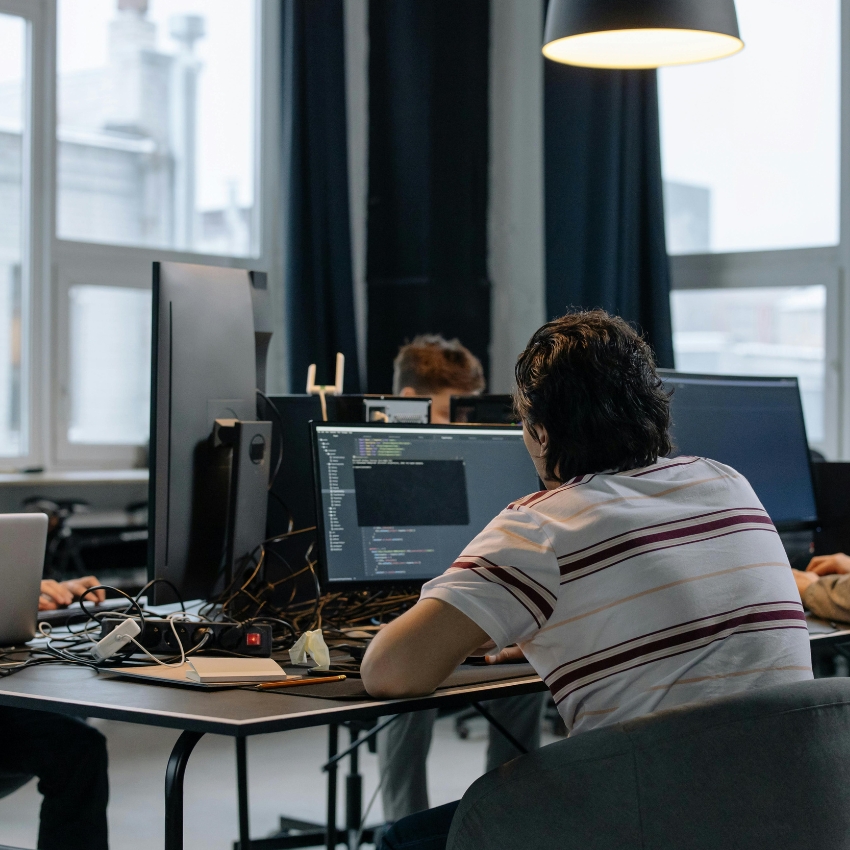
x=633 y=583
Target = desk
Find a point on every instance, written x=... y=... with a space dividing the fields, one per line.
x=238 y=713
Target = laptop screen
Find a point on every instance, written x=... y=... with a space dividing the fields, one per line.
x=754 y=425
x=399 y=503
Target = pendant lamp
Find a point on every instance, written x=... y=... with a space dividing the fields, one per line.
x=640 y=33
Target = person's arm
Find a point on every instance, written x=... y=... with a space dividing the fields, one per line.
x=825 y=586
x=58 y=594
x=415 y=653
x=501 y=590
x=828 y=597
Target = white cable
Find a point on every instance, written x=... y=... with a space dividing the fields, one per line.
x=171 y=619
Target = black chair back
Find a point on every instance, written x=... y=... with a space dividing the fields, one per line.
x=758 y=771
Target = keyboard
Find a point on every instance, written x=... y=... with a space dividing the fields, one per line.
x=75 y=614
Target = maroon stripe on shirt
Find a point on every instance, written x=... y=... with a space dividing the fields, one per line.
x=534 y=615
x=462 y=565
x=527 y=586
x=793 y=605
x=659 y=548
x=667 y=655
x=569 y=485
x=543 y=605
x=662 y=468
x=524 y=499
x=671 y=642
x=631 y=532
x=723 y=526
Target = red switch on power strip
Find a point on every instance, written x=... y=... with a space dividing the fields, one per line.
x=253 y=639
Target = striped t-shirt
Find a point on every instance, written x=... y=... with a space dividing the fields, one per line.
x=637 y=591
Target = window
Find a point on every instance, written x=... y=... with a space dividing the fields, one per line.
x=155 y=129
x=13 y=132
x=751 y=143
x=757 y=331
x=751 y=161
x=131 y=131
x=110 y=365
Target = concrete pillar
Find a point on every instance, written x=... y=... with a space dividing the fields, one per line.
x=516 y=265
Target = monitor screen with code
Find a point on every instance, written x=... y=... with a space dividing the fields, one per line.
x=400 y=503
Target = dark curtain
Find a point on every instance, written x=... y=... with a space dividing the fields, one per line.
x=605 y=244
x=317 y=241
x=428 y=161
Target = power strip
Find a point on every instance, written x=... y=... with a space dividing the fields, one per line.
x=157 y=637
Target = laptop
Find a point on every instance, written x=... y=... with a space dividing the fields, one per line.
x=23 y=538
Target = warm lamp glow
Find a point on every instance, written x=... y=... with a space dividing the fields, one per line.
x=640 y=33
x=641 y=48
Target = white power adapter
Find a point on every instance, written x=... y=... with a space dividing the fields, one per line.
x=115 y=640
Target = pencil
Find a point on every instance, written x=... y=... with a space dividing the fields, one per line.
x=294 y=683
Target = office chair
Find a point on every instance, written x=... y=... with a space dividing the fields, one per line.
x=760 y=770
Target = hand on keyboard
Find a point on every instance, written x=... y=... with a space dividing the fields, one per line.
x=59 y=594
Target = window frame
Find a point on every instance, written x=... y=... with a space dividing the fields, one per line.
x=34 y=259
x=802 y=267
x=54 y=264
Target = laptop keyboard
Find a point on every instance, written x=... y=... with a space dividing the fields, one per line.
x=75 y=614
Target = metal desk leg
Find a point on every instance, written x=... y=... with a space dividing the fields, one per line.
x=333 y=740
x=242 y=785
x=353 y=794
x=174 y=774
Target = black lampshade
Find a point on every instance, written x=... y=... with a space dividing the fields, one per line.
x=640 y=33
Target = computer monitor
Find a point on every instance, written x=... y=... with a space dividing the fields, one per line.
x=483 y=409
x=754 y=425
x=411 y=410
x=291 y=496
x=398 y=504
x=207 y=351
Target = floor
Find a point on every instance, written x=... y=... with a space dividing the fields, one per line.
x=284 y=779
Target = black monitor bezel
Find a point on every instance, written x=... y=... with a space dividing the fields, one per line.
x=455 y=401
x=325 y=582
x=792 y=525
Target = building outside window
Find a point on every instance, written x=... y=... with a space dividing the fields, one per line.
x=152 y=152
x=155 y=126
x=751 y=163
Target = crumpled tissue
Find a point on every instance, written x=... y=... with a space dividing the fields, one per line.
x=312 y=644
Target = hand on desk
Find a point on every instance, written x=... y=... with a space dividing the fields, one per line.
x=58 y=594
x=509 y=655
x=825 y=565
x=822 y=565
